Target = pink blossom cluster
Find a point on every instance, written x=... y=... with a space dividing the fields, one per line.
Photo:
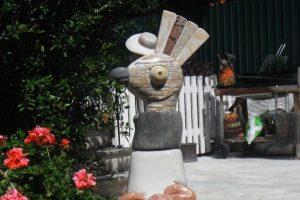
x=84 y=180
x=13 y=194
x=16 y=158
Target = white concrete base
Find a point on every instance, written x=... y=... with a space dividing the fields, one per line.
x=152 y=171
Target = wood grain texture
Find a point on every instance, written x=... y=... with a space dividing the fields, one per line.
x=174 y=34
x=159 y=98
x=187 y=33
x=281 y=89
x=166 y=24
x=199 y=37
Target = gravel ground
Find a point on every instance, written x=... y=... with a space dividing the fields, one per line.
x=244 y=178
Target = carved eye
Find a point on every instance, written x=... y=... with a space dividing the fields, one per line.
x=158 y=75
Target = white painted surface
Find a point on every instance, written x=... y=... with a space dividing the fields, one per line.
x=244 y=178
x=152 y=171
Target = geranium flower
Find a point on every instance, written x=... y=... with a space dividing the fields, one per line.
x=83 y=180
x=16 y=159
x=2 y=139
x=65 y=142
x=40 y=135
x=13 y=194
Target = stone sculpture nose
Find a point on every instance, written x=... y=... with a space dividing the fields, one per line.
x=120 y=74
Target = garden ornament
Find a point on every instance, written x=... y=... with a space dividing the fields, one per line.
x=157 y=78
x=142 y=43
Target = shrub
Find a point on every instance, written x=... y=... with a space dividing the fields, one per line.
x=55 y=57
x=37 y=166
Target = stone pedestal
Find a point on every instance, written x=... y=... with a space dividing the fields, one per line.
x=152 y=171
x=157 y=131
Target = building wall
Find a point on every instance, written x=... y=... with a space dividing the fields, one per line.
x=252 y=29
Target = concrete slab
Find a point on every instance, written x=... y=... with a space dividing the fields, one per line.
x=244 y=178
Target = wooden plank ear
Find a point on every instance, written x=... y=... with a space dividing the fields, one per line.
x=198 y=38
x=166 y=24
x=174 y=34
x=178 y=37
x=187 y=33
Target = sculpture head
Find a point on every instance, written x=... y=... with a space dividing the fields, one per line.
x=157 y=78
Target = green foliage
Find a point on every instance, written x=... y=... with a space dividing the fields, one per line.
x=48 y=175
x=55 y=57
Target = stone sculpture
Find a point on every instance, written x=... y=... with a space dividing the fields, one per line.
x=156 y=160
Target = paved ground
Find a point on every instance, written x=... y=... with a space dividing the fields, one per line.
x=244 y=178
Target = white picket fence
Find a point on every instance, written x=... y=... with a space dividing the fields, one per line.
x=199 y=109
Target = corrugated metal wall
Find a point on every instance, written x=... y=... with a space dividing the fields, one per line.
x=252 y=29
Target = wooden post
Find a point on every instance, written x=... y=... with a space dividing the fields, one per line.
x=297 y=103
x=221 y=126
x=296 y=95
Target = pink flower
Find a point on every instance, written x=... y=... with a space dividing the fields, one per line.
x=15 y=159
x=2 y=140
x=13 y=194
x=40 y=135
x=83 y=180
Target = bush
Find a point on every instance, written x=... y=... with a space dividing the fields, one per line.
x=55 y=57
x=37 y=165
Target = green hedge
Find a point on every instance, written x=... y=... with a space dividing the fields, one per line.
x=55 y=57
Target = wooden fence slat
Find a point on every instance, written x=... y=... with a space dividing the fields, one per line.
x=115 y=139
x=197 y=105
x=201 y=139
x=195 y=126
x=181 y=106
x=132 y=112
x=207 y=115
x=188 y=108
x=126 y=119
